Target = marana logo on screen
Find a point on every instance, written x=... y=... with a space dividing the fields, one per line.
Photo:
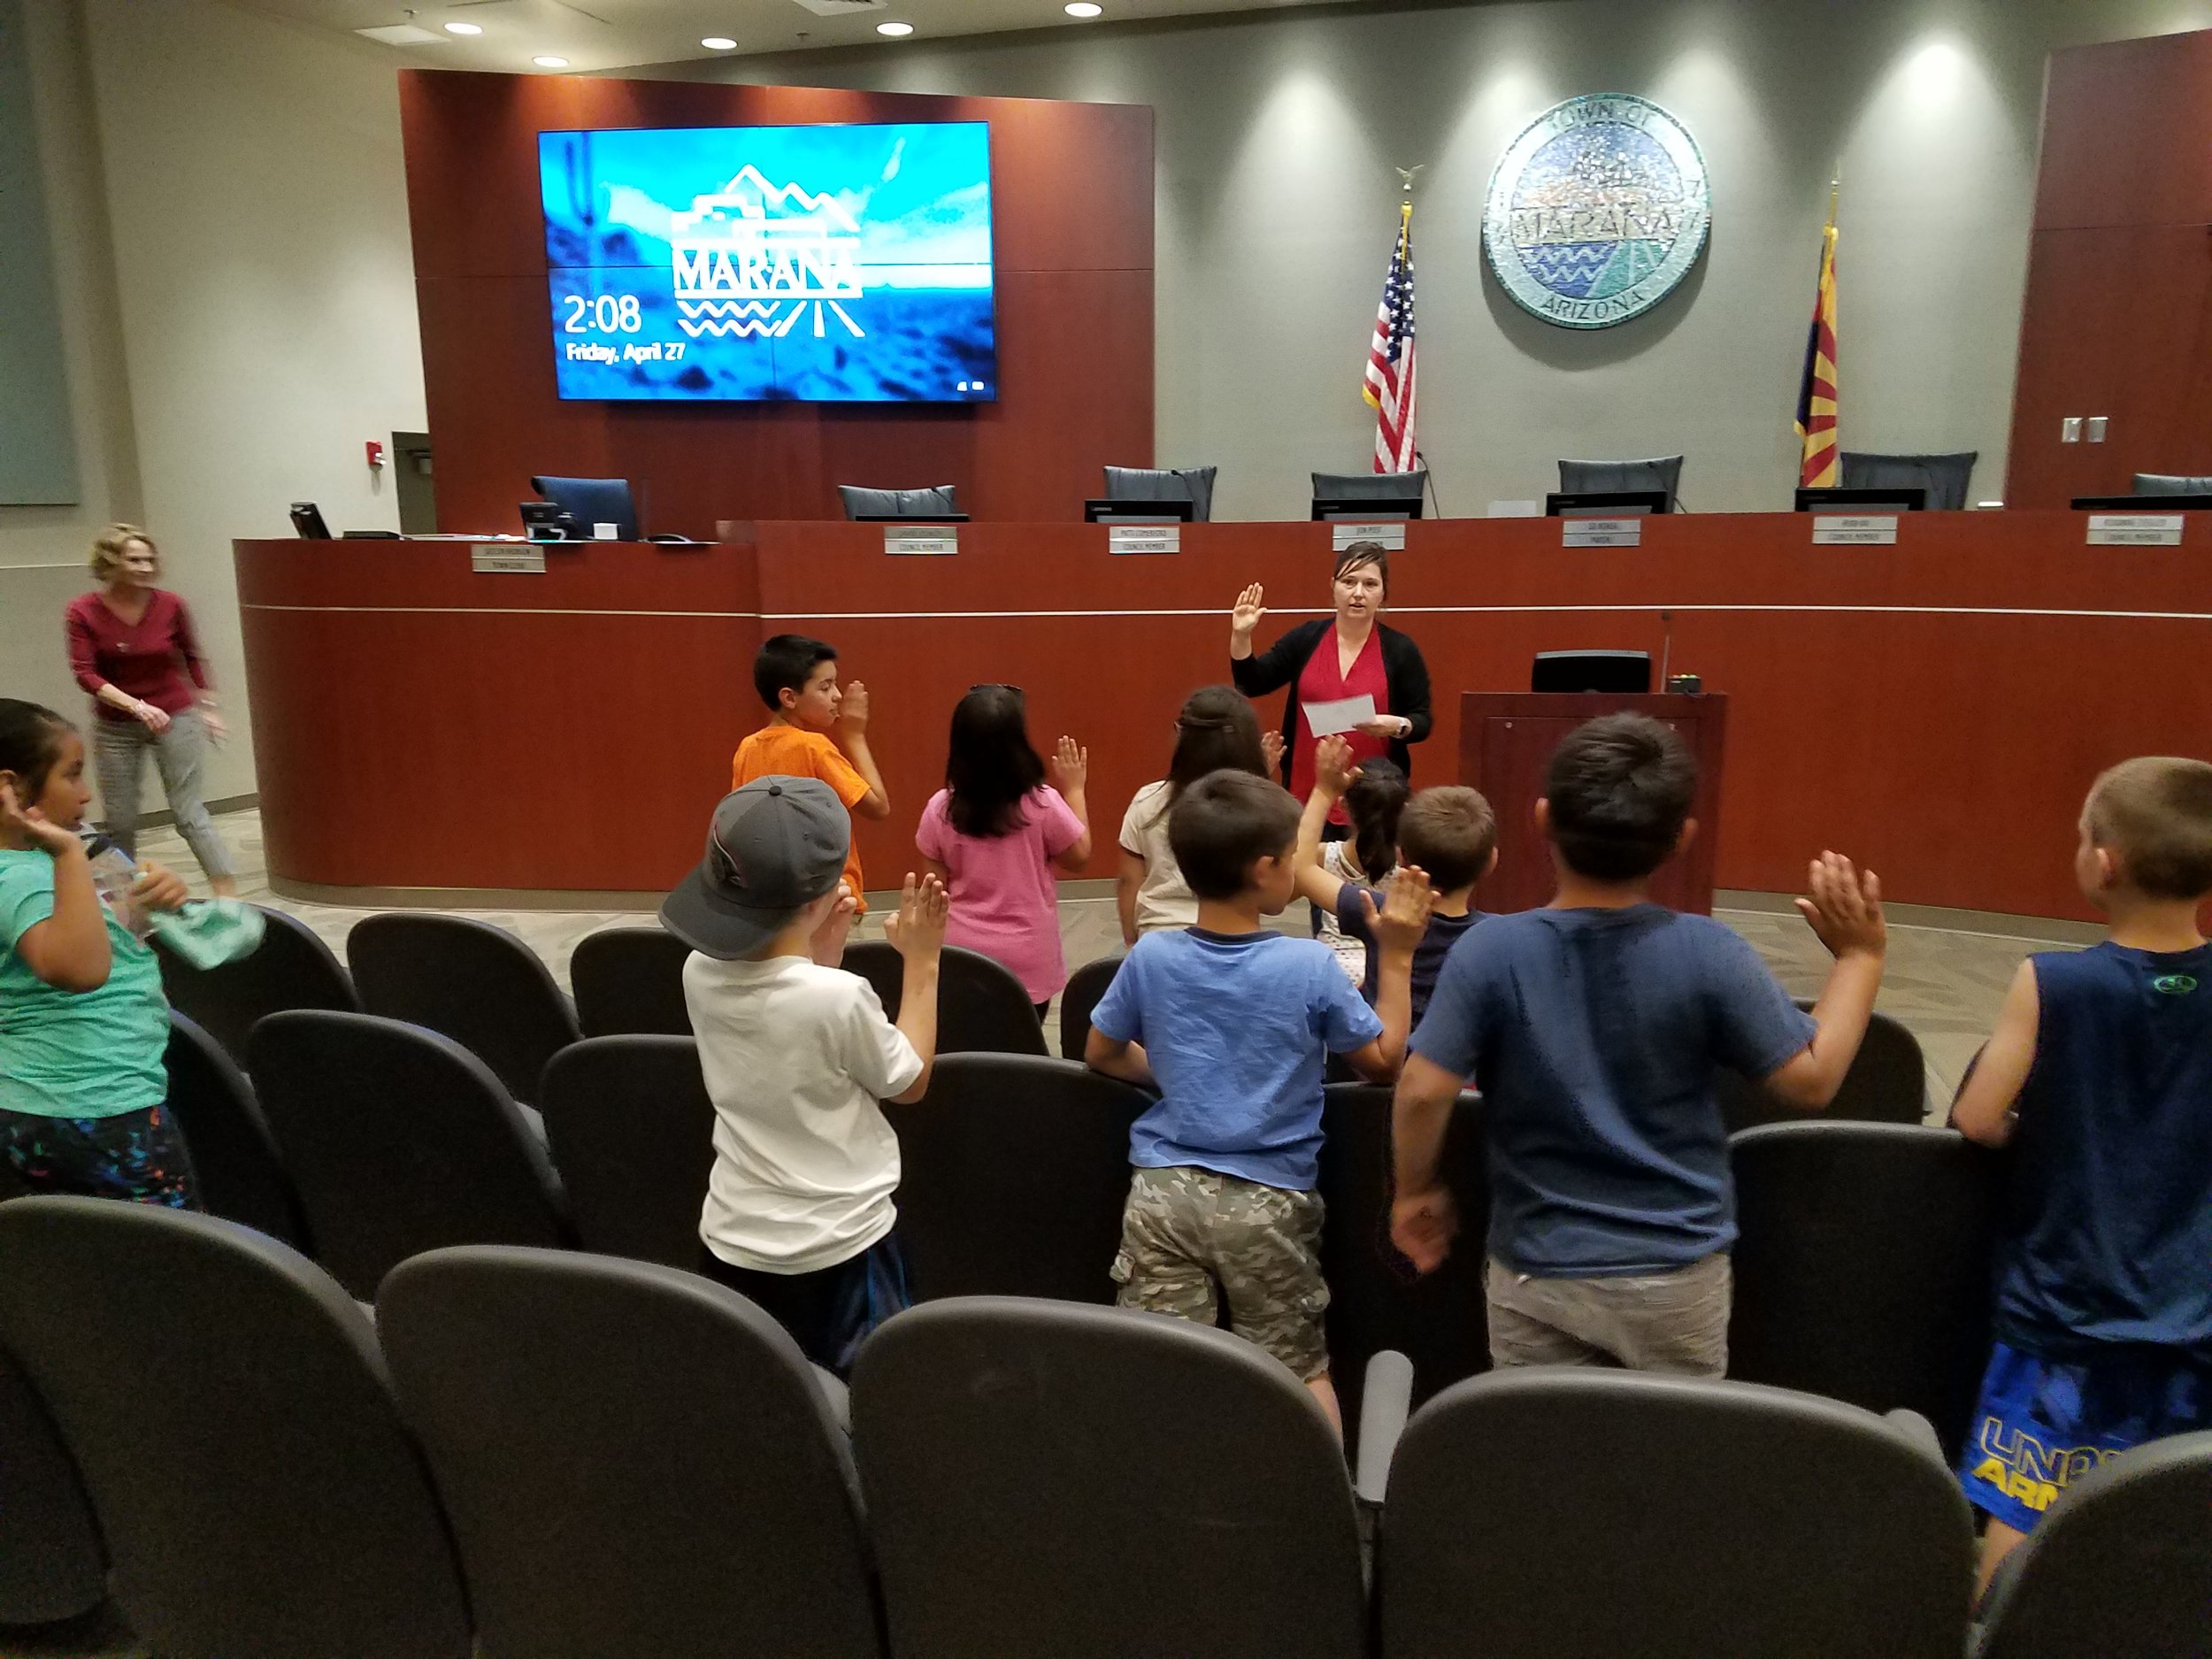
x=755 y=258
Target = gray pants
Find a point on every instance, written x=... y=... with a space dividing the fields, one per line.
x=118 y=751
x=1669 y=1322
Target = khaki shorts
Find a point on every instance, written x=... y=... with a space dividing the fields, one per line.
x=1186 y=1229
x=1675 y=1321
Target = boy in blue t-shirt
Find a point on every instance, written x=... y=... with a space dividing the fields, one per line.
x=1594 y=1028
x=2100 y=1074
x=1234 y=1023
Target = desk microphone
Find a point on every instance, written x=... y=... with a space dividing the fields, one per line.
x=1666 y=645
x=1434 y=499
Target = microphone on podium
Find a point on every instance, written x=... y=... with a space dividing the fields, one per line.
x=1666 y=645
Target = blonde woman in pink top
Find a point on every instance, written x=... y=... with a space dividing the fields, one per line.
x=997 y=830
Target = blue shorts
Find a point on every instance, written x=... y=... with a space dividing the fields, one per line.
x=2041 y=1424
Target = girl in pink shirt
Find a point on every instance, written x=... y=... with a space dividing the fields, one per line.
x=996 y=831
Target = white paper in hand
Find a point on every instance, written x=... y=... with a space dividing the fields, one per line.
x=1347 y=714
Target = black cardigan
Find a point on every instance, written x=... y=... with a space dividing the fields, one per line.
x=1281 y=665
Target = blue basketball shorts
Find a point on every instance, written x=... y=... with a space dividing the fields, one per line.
x=2042 y=1423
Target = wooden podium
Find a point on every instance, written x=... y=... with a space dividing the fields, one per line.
x=1506 y=741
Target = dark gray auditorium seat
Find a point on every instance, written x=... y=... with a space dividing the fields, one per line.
x=292 y=968
x=630 y=981
x=2172 y=484
x=400 y=1140
x=981 y=1007
x=242 y=1176
x=1887 y=1083
x=1085 y=986
x=1014 y=1171
x=637 y=1462
x=51 y=1564
x=632 y=1134
x=1193 y=484
x=1558 y=1513
x=1947 y=478
x=1377 y=1302
x=477 y=983
x=2120 y=1567
x=862 y=502
x=1660 y=472
x=1862 y=1267
x=230 y=1413
x=1044 y=1479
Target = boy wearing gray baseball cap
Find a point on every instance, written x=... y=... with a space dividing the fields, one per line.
x=797 y=1055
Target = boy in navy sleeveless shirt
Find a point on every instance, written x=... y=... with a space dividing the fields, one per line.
x=1594 y=1028
x=2100 y=1075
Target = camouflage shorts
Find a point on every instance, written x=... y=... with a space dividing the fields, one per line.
x=1186 y=1229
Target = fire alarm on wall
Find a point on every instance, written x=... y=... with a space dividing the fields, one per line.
x=376 y=453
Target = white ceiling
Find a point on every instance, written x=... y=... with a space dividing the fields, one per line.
x=621 y=33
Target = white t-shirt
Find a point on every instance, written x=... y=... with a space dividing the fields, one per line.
x=1162 y=901
x=797 y=1057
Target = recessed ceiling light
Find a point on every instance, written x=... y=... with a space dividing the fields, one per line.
x=894 y=29
x=464 y=28
x=551 y=63
x=719 y=43
x=1082 y=8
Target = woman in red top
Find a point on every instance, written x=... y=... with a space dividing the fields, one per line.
x=132 y=647
x=1349 y=655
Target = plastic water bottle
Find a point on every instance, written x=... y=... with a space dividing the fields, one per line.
x=113 y=875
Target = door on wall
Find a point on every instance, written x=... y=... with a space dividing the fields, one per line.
x=417 y=486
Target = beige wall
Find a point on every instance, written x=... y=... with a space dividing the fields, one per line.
x=1278 y=137
x=42 y=548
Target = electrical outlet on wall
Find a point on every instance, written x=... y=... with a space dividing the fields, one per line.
x=2097 y=424
x=2069 y=429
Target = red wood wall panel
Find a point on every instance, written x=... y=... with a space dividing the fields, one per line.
x=1936 y=708
x=2117 y=319
x=1073 y=240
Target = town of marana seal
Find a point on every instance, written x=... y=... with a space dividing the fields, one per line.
x=1597 y=211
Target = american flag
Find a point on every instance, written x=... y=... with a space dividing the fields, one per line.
x=1390 y=386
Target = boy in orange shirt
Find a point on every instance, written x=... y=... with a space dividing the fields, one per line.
x=820 y=730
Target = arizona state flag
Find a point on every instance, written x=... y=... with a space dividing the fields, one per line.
x=1816 y=393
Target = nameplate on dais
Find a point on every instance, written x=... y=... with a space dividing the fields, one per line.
x=1601 y=531
x=921 y=538
x=2134 y=529
x=507 y=558
x=1387 y=534
x=1144 y=538
x=1854 y=530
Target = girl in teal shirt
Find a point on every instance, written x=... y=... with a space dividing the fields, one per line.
x=83 y=1024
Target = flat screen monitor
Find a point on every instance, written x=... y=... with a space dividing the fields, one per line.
x=1096 y=511
x=1617 y=672
x=1377 y=508
x=747 y=264
x=2143 y=503
x=307 y=522
x=1900 y=498
x=1606 y=503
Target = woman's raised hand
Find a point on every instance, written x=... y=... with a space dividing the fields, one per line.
x=1251 y=606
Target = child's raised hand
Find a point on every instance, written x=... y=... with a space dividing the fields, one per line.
x=1332 y=768
x=1250 y=607
x=852 y=712
x=21 y=823
x=1843 y=906
x=1408 y=898
x=1271 y=749
x=917 y=928
x=1070 y=766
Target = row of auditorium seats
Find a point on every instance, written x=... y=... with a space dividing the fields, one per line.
x=488 y=991
x=365 y=1140
x=538 y=1456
